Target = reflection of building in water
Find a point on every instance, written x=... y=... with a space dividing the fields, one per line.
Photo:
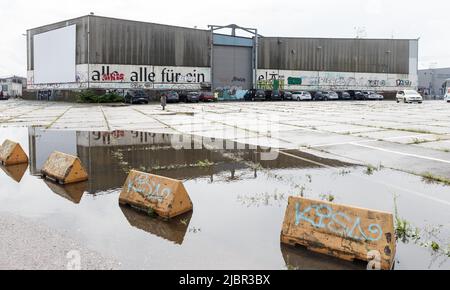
x=299 y=258
x=16 y=172
x=72 y=192
x=44 y=142
x=173 y=229
x=109 y=156
x=121 y=138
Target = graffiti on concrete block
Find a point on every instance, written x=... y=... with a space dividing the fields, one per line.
x=323 y=216
x=148 y=188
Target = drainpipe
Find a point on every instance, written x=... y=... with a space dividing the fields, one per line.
x=89 y=51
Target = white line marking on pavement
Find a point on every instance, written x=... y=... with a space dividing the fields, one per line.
x=401 y=153
x=419 y=194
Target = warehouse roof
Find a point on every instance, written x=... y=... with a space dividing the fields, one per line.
x=183 y=27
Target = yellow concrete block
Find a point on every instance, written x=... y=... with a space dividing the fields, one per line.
x=16 y=172
x=164 y=196
x=64 y=169
x=73 y=192
x=341 y=231
x=11 y=153
x=173 y=230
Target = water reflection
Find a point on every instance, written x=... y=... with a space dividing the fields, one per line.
x=173 y=230
x=299 y=258
x=240 y=202
x=109 y=156
x=16 y=172
x=72 y=192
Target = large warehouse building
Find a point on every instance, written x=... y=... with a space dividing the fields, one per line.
x=106 y=53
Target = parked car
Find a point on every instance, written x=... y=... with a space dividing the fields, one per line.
x=330 y=95
x=319 y=96
x=345 y=96
x=287 y=96
x=250 y=95
x=302 y=96
x=359 y=96
x=369 y=96
x=190 y=97
x=376 y=96
x=447 y=98
x=172 y=97
x=268 y=94
x=255 y=95
x=409 y=96
x=276 y=96
x=137 y=97
x=208 y=97
x=3 y=96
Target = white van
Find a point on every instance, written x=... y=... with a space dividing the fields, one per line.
x=409 y=96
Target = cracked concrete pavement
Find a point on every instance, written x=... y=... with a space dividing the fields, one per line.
x=408 y=137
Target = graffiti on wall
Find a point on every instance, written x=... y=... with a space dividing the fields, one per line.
x=309 y=80
x=404 y=83
x=147 y=75
x=100 y=76
x=230 y=93
x=271 y=81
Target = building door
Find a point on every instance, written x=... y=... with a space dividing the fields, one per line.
x=232 y=65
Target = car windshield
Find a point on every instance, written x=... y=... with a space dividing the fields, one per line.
x=411 y=92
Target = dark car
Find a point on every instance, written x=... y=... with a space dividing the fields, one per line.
x=288 y=96
x=190 y=97
x=345 y=96
x=172 y=97
x=319 y=96
x=250 y=95
x=137 y=97
x=255 y=95
x=208 y=97
x=3 y=96
x=359 y=96
x=260 y=95
x=276 y=96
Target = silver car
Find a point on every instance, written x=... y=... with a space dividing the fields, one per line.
x=301 y=96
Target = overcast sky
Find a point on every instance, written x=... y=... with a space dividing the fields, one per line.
x=298 y=18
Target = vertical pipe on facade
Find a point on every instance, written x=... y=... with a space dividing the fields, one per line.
x=255 y=73
x=89 y=51
x=212 y=58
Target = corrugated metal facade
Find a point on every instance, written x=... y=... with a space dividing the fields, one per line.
x=339 y=55
x=81 y=39
x=116 y=41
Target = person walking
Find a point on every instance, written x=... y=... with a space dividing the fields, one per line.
x=163 y=101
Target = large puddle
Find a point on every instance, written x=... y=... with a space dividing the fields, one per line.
x=239 y=202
